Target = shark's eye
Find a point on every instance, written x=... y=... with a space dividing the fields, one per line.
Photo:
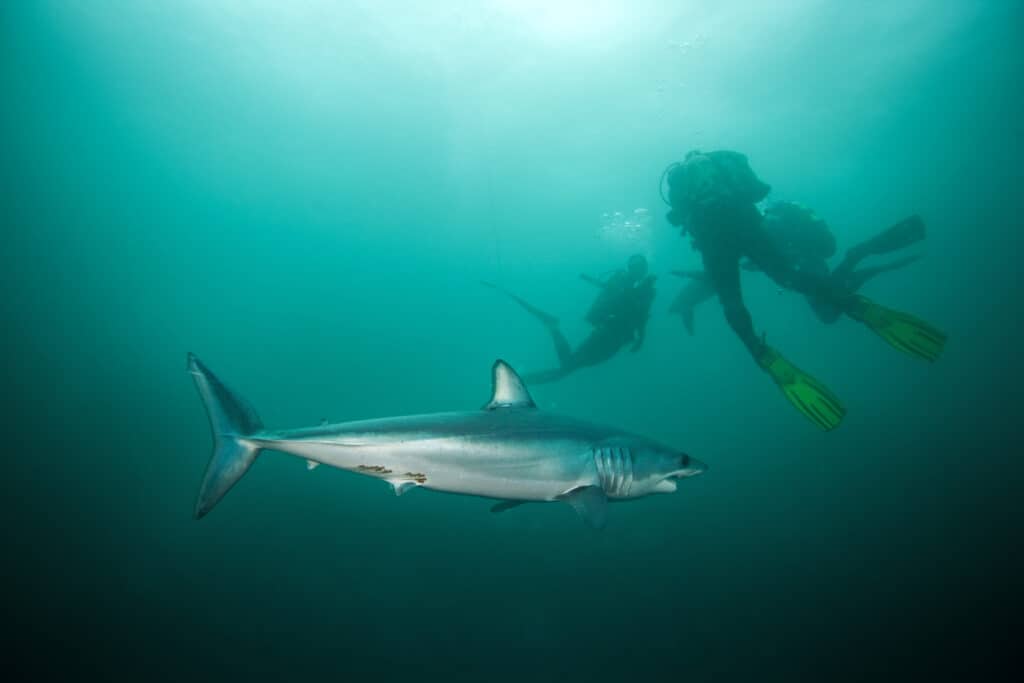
x=684 y=460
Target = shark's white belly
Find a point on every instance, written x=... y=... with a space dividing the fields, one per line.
x=522 y=473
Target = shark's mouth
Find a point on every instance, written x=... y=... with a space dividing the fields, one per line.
x=691 y=467
x=666 y=485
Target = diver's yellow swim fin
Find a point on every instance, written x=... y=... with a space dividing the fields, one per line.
x=808 y=395
x=902 y=331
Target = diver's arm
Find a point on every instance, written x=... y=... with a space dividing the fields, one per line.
x=641 y=334
x=592 y=280
x=691 y=274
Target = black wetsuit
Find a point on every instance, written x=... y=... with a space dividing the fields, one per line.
x=619 y=316
x=807 y=245
x=728 y=231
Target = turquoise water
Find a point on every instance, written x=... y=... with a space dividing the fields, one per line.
x=307 y=195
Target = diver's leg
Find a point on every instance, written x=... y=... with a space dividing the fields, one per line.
x=762 y=250
x=899 y=236
x=569 y=360
x=562 y=347
x=854 y=255
x=545 y=318
x=826 y=312
x=549 y=321
x=856 y=279
x=907 y=232
x=603 y=343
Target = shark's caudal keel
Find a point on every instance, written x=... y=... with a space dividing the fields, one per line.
x=509 y=450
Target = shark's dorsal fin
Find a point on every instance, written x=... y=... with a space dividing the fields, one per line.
x=507 y=389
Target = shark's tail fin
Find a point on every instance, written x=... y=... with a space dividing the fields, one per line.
x=232 y=419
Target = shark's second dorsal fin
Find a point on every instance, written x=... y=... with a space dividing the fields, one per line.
x=507 y=389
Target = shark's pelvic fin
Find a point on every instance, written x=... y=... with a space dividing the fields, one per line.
x=506 y=505
x=507 y=389
x=590 y=503
x=312 y=465
x=402 y=485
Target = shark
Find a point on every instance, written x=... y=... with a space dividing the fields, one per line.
x=508 y=450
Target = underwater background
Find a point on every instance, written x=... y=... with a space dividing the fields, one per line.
x=307 y=195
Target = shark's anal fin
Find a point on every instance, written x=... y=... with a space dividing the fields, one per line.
x=506 y=505
x=312 y=465
x=507 y=389
x=590 y=503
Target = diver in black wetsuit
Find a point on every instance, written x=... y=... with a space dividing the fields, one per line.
x=619 y=317
x=805 y=239
x=713 y=197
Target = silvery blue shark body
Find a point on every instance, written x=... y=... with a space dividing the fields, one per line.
x=509 y=450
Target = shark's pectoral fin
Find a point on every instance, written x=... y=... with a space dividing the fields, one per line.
x=506 y=505
x=590 y=503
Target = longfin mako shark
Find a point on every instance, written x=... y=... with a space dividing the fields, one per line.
x=508 y=450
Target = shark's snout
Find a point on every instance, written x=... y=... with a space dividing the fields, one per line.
x=690 y=467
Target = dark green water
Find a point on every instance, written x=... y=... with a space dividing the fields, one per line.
x=306 y=196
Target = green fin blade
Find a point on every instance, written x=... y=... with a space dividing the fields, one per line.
x=809 y=396
x=902 y=331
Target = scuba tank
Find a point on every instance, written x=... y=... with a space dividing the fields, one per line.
x=608 y=299
x=799 y=232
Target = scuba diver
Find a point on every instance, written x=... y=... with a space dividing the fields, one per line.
x=807 y=242
x=618 y=315
x=713 y=197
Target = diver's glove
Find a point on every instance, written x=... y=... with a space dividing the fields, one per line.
x=902 y=331
x=806 y=394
